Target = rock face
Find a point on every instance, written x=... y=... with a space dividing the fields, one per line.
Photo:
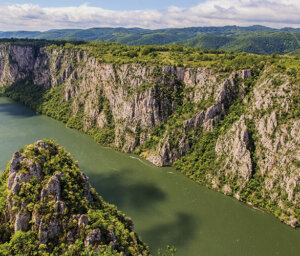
x=278 y=143
x=238 y=164
x=167 y=152
x=48 y=196
x=251 y=117
x=261 y=167
x=93 y=237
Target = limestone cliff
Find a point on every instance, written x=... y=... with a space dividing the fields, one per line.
x=129 y=97
x=234 y=131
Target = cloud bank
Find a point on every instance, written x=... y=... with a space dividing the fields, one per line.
x=280 y=13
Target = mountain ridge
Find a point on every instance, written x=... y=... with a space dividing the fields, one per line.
x=283 y=41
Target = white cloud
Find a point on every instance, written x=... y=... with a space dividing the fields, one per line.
x=280 y=13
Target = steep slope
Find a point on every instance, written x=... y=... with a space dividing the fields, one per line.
x=253 y=154
x=49 y=207
x=227 y=121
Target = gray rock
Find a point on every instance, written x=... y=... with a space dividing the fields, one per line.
x=60 y=207
x=22 y=220
x=233 y=147
x=83 y=221
x=49 y=230
x=53 y=188
x=87 y=192
x=93 y=237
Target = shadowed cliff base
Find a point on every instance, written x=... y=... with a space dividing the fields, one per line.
x=9 y=109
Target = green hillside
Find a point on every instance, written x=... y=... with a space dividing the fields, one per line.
x=261 y=42
x=253 y=39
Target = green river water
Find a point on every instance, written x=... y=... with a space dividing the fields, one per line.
x=166 y=207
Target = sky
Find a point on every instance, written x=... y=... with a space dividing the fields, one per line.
x=43 y=15
x=112 y=4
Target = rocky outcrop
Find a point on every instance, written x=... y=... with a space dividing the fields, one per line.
x=277 y=143
x=92 y=237
x=166 y=153
x=46 y=195
x=22 y=171
x=237 y=166
x=22 y=219
x=270 y=152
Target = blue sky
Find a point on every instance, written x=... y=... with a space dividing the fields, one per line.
x=113 y=4
x=60 y=14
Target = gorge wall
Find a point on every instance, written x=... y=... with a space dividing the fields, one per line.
x=236 y=132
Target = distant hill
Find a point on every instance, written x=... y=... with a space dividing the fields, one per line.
x=262 y=42
x=254 y=39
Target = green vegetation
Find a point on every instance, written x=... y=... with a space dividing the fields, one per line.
x=262 y=42
x=54 y=160
x=166 y=55
x=254 y=39
x=177 y=55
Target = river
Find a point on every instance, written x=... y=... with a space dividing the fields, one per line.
x=166 y=207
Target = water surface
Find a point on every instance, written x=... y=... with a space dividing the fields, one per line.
x=166 y=207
